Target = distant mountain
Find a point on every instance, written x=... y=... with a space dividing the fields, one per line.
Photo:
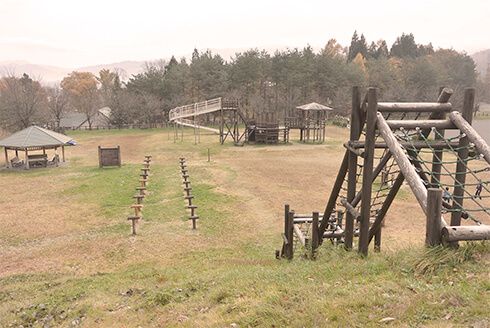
x=53 y=74
x=482 y=60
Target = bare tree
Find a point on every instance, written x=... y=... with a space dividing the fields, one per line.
x=57 y=103
x=21 y=99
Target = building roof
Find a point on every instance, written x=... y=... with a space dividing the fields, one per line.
x=35 y=136
x=72 y=120
x=314 y=106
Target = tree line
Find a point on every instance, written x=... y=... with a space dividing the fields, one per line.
x=262 y=82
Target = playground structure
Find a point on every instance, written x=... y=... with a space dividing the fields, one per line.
x=232 y=124
x=310 y=120
x=395 y=142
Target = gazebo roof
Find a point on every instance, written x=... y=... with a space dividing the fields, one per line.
x=314 y=106
x=35 y=136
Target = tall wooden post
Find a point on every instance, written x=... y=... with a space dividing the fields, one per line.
x=27 y=159
x=460 y=176
x=433 y=217
x=7 y=163
x=315 y=238
x=367 y=174
x=289 y=236
x=444 y=95
x=63 y=153
x=355 y=132
x=100 y=157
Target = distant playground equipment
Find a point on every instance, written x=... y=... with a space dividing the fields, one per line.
x=231 y=123
x=395 y=142
x=310 y=120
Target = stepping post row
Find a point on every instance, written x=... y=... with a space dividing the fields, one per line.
x=188 y=193
x=140 y=195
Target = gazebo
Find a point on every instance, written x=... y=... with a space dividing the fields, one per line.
x=310 y=120
x=35 y=139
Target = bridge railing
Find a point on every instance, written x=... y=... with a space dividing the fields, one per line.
x=195 y=109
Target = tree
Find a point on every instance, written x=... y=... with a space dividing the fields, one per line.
x=404 y=46
x=82 y=90
x=21 y=99
x=357 y=45
x=57 y=103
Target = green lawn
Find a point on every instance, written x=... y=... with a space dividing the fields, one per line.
x=224 y=274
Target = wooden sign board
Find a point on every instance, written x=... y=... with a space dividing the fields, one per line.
x=109 y=156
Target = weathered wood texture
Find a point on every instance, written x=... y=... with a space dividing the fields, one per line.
x=109 y=156
x=433 y=217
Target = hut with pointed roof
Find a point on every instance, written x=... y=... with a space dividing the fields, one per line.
x=32 y=143
x=310 y=120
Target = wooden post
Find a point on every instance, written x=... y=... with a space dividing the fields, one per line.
x=460 y=176
x=27 y=166
x=7 y=163
x=63 y=153
x=315 y=237
x=367 y=174
x=118 y=156
x=286 y=218
x=355 y=132
x=444 y=95
x=290 y=235
x=100 y=157
x=433 y=217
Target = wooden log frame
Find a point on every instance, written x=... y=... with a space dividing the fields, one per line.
x=460 y=175
x=367 y=173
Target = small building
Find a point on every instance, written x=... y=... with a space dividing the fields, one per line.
x=78 y=121
x=32 y=144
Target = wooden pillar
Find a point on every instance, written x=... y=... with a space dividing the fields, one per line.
x=44 y=151
x=118 y=156
x=352 y=170
x=367 y=174
x=27 y=160
x=433 y=217
x=7 y=162
x=63 y=153
x=444 y=95
x=460 y=176
x=100 y=157
x=315 y=237
x=289 y=249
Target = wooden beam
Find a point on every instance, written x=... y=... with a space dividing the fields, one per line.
x=433 y=217
x=422 y=124
x=463 y=152
x=465 y=127
x=315 y=237
x=451 y=234
x=390 y=107
x=355 y=132
x=367 y=173
x=27 y=159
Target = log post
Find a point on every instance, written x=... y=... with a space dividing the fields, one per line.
x=367 y=174
x=27 y=159
x=7 y=163
x=290 y=236
x=460 y=176
x=444 y=95
x=63 y=153
x=433 y=217
x=315 y=237
x=100 y=157
x=355 y=131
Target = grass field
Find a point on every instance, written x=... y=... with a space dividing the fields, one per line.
x=67 y=257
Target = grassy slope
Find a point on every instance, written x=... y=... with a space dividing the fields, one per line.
x=171 y=276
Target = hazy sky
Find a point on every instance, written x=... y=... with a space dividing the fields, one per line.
x=75 y=33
